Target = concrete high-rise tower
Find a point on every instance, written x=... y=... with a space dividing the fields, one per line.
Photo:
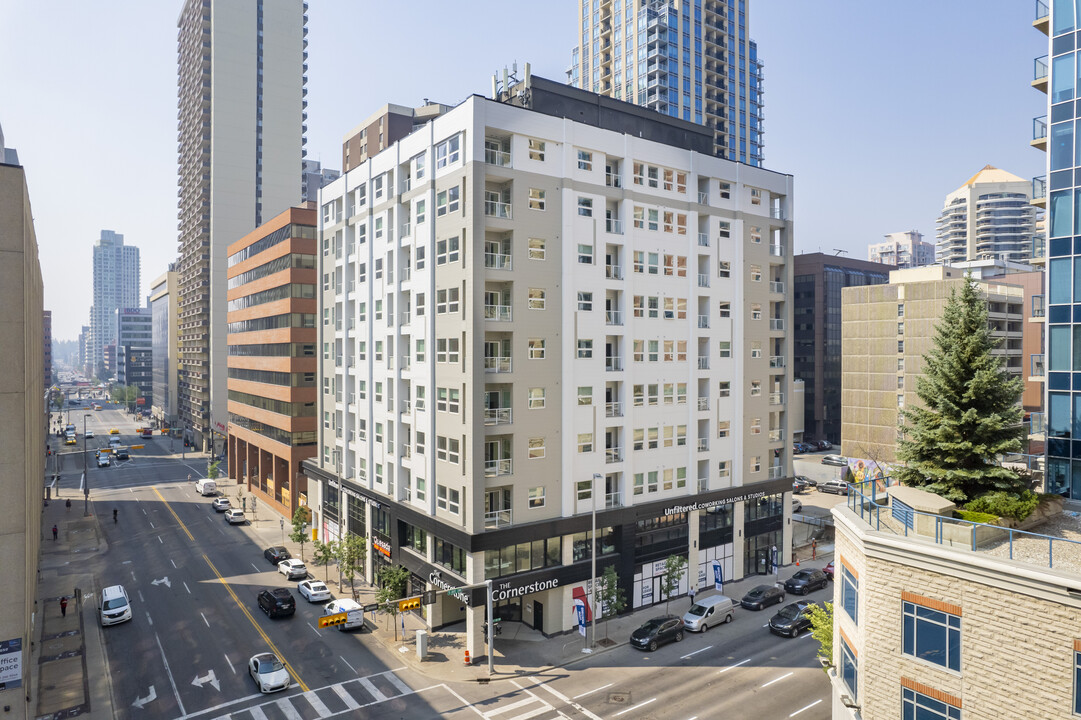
x=988 y=218
x=686 y=58
x=240 y=125
x=116 y=286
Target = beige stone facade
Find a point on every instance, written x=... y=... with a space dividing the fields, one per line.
x=885 y=332
x=1019 y=627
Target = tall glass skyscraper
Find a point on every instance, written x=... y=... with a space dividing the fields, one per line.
x=690 y=59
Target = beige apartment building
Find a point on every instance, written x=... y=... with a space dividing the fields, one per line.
x=885 y=332
x=927 y=627
x=24 y=417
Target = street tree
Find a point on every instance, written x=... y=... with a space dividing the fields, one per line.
x=675 y=566
x=323 y=553
x=821 y=617
x=299 y=535
x=613 y=599
x=350 y=552
x=970 y=412
x=213 y=469
x=392 y=583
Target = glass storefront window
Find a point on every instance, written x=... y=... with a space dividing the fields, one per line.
x=330 y=502
x=764 y=507
x=522 y=557
x=357 y=523
x=449 y=556
x=415 y=539
x=582 y=547
x=381 y=522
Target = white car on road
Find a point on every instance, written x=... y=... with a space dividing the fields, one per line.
x=314 y=590
x=292 y=569
x=268 y=672
x=235 y=517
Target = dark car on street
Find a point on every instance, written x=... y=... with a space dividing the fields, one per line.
x=805 y=581
x=762 y=597
x=277 y=602
x=276 y=554
x=657 y=631
x=824 y=445
x=791 y=620
x=828 y=570
x=800 y=485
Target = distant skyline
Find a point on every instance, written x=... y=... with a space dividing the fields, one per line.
x=878 y=109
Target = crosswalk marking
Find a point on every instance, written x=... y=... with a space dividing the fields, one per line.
x=322 y=710
x=372 y=689
x=397 y=682
x=287 y=709
x=508 y=708
x=350 y=703
x=257 y=713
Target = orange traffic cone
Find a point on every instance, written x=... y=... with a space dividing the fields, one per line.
x=467 y=662
x=797 y=561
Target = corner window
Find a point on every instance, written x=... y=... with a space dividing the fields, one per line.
x=850 y=593
x=932 y=635
x=849 y=670
x=448 y=151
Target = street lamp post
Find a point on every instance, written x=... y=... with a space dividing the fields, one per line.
x=86 y=480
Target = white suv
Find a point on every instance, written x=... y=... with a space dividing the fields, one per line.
x=293 y=569
x=115 y=606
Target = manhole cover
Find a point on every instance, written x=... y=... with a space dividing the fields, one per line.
x=619 y=698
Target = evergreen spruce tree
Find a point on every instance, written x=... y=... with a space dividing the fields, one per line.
x=970 y=412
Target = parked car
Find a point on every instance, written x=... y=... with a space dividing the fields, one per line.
x=115 y=606
x=104 y=460
x=800 y=485
x=797 y=505
x=277 y=602
x=805 y=581
x=798 y=449
x=293 y=569
x=792 y=619
x=838 y=460
x=221 y=504
x=840 y=487
x=809 y=480
x=824 y=445
x=828 y=570
x=762 y=597
x=268 y=672
x=314 y=590
x=233 y=516
x=707 y=612
x=657 y=631
x=276 y=554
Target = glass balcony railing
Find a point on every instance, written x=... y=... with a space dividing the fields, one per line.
x=1039 y=128
x=613 y=499
x=1039 y=69
x=776 y=472
x=776 y=398
x=1036 y=366
x=497 y=467
x=703 y=280
x=497 y=261
x=613 y=272
x=776 y=249
x=613 y=454
x=498 y=416
x=497 y=364
x=1042 y=10
x=498 y=312
x=613 y=317
x=497 y=157
x=776 y=361
x=703 y=239
x=497 y=519
x=613 y=409
x=613 y=363
x=1039 y=188
x=776 y=323
x=703 y=362
x=497 y=209
x=776 y=286
x=613 y=226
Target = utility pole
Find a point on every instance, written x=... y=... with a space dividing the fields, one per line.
x=86 y=480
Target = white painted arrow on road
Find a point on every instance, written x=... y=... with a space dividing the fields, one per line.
x=208 y=678
x=139 y=702
x=163 y=581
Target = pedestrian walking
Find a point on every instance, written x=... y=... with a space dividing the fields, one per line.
x=56 y=531
x=691 y=594
x=814 y=549
x=64 y=606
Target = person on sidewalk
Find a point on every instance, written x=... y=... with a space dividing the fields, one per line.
x=691 y=594
x=56 y=531
x=64 y=606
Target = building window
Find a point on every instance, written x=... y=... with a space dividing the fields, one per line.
x=585 y=395
x=536 y=398
x=922 y=707
x=446 y=350
x=849 y=670
x=536 y=348
x=756 y=464
x=446 y=301
x=536 y=497
x=724 y=268
x=536 y=199
x=723 y=428
x=585 y=349
x=756 y=273
x=585 y=160
x=726 y=348
x=585 y=254
x=536 y=448
x=585 y=207
x=447 y=399
x=536 y=299
x=446 y=201
x=448 y=151
x=932 y=635
x=447 y=449
x=536 y=248
x=756 y=311
x=723 y=468
x=585 y=301
x=1076 y=682
x=585 y=442
x=536 y=149
x=726 y=309
x=446 y=251
x=850 y=593
x=447 y=499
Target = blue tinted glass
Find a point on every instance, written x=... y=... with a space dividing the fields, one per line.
x=1058 y=420
x=1077 y=683
x=1063 y=15
x=1077 y=211
x=1061 y=207
x=1062 y=146
x=849 y=670
x=1058 y=342
x=1058 y=281
x=1076 y=352
x=1062 y=78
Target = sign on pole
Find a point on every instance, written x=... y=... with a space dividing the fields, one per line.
x=580 y=612
x=718 y=575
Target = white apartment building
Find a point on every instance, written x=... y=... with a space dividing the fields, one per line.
x=903 y=249
x=987 y=218
x=526 y=317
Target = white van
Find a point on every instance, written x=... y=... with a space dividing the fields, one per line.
x=355 y=613
x=115 y=606
x=707 y=612
x=206 y=487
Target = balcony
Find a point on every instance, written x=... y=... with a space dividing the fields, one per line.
x=613 y=455
x=703 y=403
x=1039 y=133
x=777 y=213
x=776 y=324
x=703 y=198
x=499 y=313
x=497 y=209
x=776 y=435
x=405 y=230
x=496 y=468
x=498 y=416
x=776 y=398
x=612 y=180
x=776 y=250
x=1043 y=17
x=405 y=185
x=613 y=363
x=776 y=361
x=497 y=364
x=776 y=472
x=497 y=519
x=776 y=286
x=405 y=317
x=703 y=362
x=703 y=444
x=703 y=280
x=703 y=239
x=613 y=500
x=613 y=317
x=613 y=272
x=497 y=261
x=1039 y=191
x=1036 y=369
x=1039 y=250
x=405 y=274
x=703 y=321
x=1039 y=73
x=615 y=227
x=497 y=157
x=613 y=409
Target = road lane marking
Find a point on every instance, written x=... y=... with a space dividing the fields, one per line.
x=372 y=689
x=806 y=707
x=462 y=700
x=512 y=706
x=397 y=682
x=726 y=669
x=350 y=703
x=287 y=709
x=641 y=704
x=204 y=619
x=174 y=564
x=568 y=701
x=186 y=587
x=590 y=692
x=314 y=630
x=320 y=709
x=230 y=663
x=348 y=665
x=152 y=525
x=179 y=702
x=140 y=592
x=777 y=679
x=256 y=569
x=160 y=540
x=150 y=620
x=262 y=634
x=257 y=713
x=684 y=657
x=144 y=510
x=173 y=513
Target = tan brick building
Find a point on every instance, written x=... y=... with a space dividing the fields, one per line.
x=960 y=634
x=885 y=332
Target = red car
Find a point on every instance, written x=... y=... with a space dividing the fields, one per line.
x=829 y=570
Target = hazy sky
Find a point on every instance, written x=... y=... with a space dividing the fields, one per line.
x=877 y=108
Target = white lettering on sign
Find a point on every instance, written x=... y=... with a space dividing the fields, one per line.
x=381 y=545
x=677 y=509
x=505 y=592
x=452 y=590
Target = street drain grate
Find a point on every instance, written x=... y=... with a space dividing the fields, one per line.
x=619 y=698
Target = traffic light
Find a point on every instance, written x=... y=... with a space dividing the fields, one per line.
x=412 y=603
x=331 y=620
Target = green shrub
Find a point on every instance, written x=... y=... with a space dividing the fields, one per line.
x=1013 y=505
x=976 y=517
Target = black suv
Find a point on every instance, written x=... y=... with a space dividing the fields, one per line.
x=792 y=619
x=122 y=454
x=762 y=597
x=657 y=631
x=276 y=554
x=277 y=602
x=805 y=581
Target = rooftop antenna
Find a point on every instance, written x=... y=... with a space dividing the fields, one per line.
x=837 y=252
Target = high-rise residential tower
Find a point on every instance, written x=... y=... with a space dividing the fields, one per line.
x=902 y=250
x=691 y=59
x=116 y=286
x=988 y=218
x=240 y=127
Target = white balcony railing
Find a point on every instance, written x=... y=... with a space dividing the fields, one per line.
x=703 y=362
x=703 y=240
x=776 y=361
x=613 y=317
x=703 y=444
x=497 y=209
x=776 y=286
x=497 y=157
x=497 y=416
x=501 y=313
x=497 y=518
x=776 y=323
x=613 y=499
x=406 y=316
x=612 y=180
x=407 y=407
x=776 y=472
x=405 y=230
x=405 y=274
x=500 y=466
x=613 y=272
x=703 y=321
x=613 y=454
x=613 y=409
x=776 y=249
x=703 y=403
x=613 y=363
x=776 y=435
x=497 y=261
x=776 y=398
x=703 y=280
x=703 y=198
x=497 y=364
x=613 y=226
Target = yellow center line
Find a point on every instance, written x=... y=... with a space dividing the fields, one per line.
x=175 y=516
x=256 y=626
